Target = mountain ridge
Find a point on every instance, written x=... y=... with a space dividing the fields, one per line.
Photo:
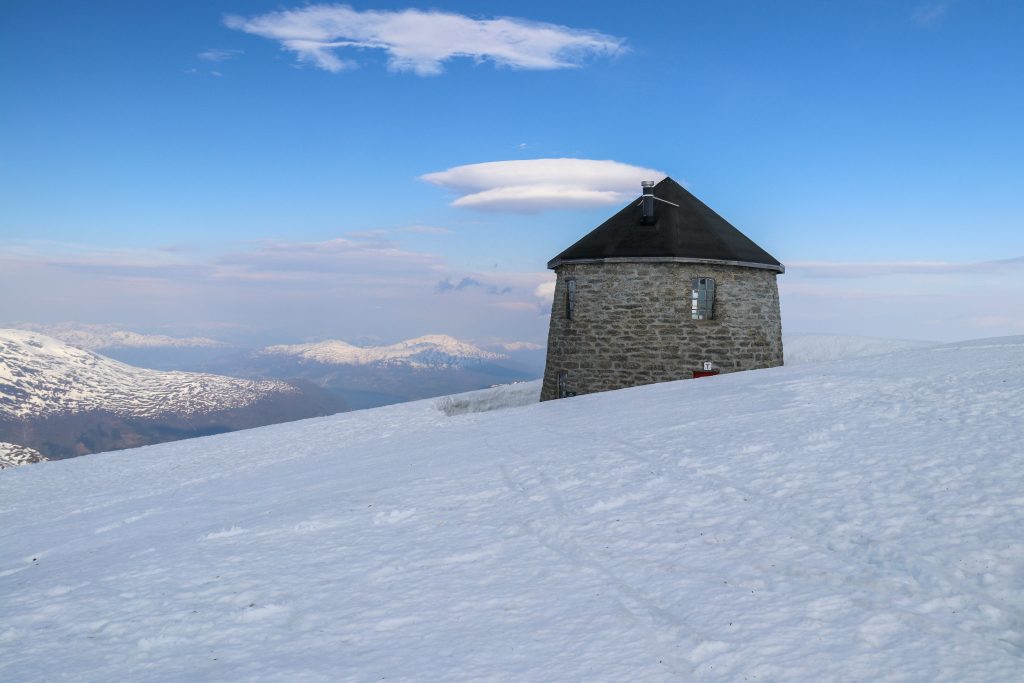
x=97 y=337
x=432 y=350
x=63 y=401
x=40 y=376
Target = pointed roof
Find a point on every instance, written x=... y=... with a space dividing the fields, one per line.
x=684 y=230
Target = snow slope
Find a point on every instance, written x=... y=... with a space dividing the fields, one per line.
x=42 y=376
x=495 y=398
x=13 y=455
x=434 y=350
x=817 y=348
x=848 y=521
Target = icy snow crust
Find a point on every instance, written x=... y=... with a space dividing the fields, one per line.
x=495 y=398
x=432 y=350
x=855 y=520
x=41 y=376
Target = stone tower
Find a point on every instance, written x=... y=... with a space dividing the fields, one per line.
x=665 y=289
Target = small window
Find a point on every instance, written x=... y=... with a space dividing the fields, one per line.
x=702 y=305
x=563 y=379
x=570 y=299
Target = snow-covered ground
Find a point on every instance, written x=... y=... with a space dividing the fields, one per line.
x=817 y=348
x=495 y=398
x=849 y=521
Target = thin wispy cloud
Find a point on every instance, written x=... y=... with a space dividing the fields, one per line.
x=219 y=55
x=446 y=285
x=382 y=234
x=342 y=286
x=880 y=268
x=533 y=185
x=930 y=12
x=422 y=41
x=913 y=300
x=426 y=230
x=333 y=258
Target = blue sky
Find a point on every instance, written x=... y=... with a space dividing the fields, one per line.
x=256 y=169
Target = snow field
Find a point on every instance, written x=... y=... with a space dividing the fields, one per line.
x=495 y=398
x=817 y=348
x=859 y=520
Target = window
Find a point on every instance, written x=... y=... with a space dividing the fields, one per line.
x=702 y=305
x=570 y=299
x=563 y=378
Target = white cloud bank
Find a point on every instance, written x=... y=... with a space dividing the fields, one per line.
x=421 y=41
x=270 y=292
x=532 y=185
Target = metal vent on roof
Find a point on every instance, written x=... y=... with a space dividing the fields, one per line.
x=647 y=200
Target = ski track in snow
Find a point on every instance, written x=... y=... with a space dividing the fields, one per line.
x=857 y=520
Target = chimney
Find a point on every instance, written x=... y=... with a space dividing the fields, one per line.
x=647 y=202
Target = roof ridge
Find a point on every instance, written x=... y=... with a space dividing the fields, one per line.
x=684 y=229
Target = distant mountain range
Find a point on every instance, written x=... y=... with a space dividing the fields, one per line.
x=431 y=351
x=64 y=401
x=103 y=337
x=370 y=376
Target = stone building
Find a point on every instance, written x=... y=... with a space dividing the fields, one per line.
x=665 y=289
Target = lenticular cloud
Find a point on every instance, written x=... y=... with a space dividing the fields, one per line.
x=421 y=41
x=533 y=185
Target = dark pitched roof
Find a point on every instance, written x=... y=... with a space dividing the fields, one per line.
x=689 y=231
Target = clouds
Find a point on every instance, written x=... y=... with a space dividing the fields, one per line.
x=545 y=291
x=446 y=285
x=930 y=12
x=882 y=268
x=944 y=301
x=271 y=291
x=533 y=185
x=219 y=55
x=422 y=41
x=333 y=259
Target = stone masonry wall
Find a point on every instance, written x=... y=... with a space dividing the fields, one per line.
x=631 y=325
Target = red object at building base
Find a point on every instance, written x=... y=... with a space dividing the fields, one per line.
x=704 y=373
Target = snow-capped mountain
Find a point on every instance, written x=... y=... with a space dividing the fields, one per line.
x=429 y=351
x=41 y=376
x=844 y=521
x=370 y=376
x=13 y=455
x=62 y=400
x=107 y=337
